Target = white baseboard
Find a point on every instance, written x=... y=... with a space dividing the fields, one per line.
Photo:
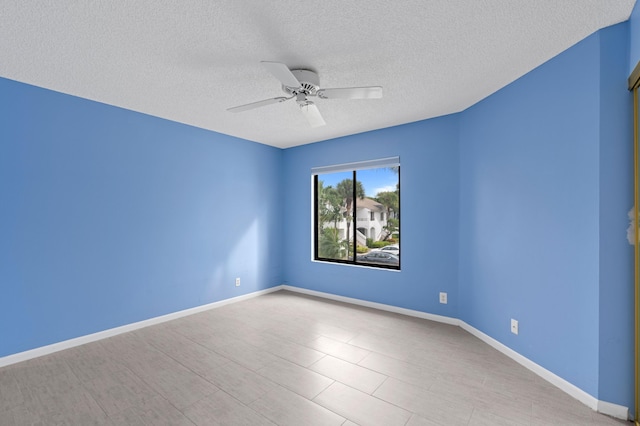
x=66 y=344
x=379 y=306
x=613 y=410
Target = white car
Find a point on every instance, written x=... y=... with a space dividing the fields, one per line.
x=394 y=249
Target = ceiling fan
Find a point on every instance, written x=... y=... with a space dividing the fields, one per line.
x=302 y=84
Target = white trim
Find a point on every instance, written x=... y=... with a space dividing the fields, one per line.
x=375 y=305
x=610 y=409
x=550 y=377
x=66 y=344
x=357 y=165
x=613 y=410
x=357 y=265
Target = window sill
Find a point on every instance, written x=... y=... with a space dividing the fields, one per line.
x=354 y=265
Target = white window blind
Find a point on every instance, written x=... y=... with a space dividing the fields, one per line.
x=360 y=165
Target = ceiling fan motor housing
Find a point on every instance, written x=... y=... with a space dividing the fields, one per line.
x=309 y=83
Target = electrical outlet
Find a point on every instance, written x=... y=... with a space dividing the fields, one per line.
x=237 y=282
x=514 y=326
x=443 y=298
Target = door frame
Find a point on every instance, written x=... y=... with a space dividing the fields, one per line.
x=634 y=86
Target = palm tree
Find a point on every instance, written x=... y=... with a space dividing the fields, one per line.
x=329 y=205
x=391 y=227
x=345 y=191
x=389 y=200
x=329 y=244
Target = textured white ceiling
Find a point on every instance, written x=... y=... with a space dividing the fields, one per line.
x=190 y=60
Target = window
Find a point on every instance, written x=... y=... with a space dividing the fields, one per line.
x=346 y=200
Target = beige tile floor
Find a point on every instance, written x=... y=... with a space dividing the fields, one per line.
x=286 y=359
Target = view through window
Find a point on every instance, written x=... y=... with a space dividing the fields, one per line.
x=357 y=214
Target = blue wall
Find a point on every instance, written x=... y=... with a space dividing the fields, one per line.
x=545 y=187
x=111 y=217
x=616 y=197
x=529 y=215
x=428 y=152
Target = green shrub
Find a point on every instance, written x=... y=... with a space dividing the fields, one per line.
x=361 y=249
x=369 y=242
x=379 y=244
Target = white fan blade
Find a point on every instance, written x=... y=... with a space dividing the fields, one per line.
x=258 y=104
x=282 y=73
x=311 y=112
x=373 y=92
